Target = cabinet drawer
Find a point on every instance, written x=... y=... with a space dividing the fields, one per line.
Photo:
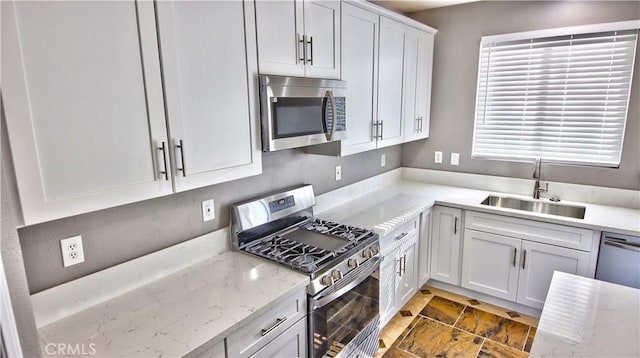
x=399 y=235
x=264 y=328
x=554 y=234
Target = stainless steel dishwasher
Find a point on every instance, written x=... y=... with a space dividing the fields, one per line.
x=619 y=259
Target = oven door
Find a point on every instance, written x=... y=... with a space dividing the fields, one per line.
x=344 y=318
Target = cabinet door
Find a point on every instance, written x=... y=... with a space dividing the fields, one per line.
x=280 y=32
x=388 y=273
x=424 y=246
x=322 y=30
x=211 y=99
x=423 y=83
x=393 y=40
x=85 y=125
x=359 y=65
x=291 y=343
x=407 y=283
x=445 y=245
x=409 y=117
x=490 y=264
x=537 y=264
x=418 y=97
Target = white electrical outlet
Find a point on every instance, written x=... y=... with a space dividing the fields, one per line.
x=72 y=251
x=455 y=158
x=438 y=158
x=338 y=172
x=208 y=210
x=383 y=160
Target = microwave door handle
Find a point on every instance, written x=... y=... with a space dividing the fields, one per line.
x=329 y=94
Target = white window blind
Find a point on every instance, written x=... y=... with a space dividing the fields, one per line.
x=559 y=98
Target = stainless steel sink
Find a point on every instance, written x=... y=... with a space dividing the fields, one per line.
x=541 y=207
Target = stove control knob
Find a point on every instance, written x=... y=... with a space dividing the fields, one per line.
x=375 y=249
x=367 y=254
x=336 y=275
x=326 y=280
x=352 y=263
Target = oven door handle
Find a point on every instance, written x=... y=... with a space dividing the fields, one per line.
x=323 y=301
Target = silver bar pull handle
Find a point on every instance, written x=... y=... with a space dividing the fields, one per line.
x=524 y=257
x=400 y=267
x=310 y=43
x=404 y=264
x=183 y=169
x=375 y=125
x=455 y=225
x=279 y=321
x=164 y=172
x=515 y=253
x=400 y=236
x=302 y=55
x=381 y=129
x=623 y=245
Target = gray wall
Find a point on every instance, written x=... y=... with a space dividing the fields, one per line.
x=455 y=73
x=123 y=233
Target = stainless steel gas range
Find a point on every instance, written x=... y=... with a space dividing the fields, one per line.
x=341 y=260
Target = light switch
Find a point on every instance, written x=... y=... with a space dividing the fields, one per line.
x=455 y=158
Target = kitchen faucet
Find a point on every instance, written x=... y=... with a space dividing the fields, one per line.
x=537 y=172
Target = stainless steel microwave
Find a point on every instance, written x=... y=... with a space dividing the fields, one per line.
x=297 y=112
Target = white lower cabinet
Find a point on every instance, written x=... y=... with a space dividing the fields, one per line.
x=280 y=331
x=538 y=263
x=398 y=271
x=445 y=244
x=490 y=264
x=515 y=268
x=292 y=343
x=424 y=247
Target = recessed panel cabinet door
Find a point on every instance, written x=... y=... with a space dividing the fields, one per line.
x=445 y=244
x=393 y=41
x=537 y=263
x=322 y=29
x=359 y=61
x=210 y=74
x=423 y=83
x=407 y=283
x=83 y=104
x=280 y=33
x=388 y=277
x=490 y=264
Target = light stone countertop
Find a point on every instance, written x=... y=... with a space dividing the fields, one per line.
x=387 y=208
x=173 y=316
x=583 y=317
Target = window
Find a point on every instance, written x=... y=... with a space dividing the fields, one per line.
x=560 y=95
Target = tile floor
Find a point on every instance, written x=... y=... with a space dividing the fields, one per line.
x=437 y=323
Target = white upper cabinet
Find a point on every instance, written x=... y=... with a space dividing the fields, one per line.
x=418 y=70
x=83 y=102
x=359 y=65
x=299 y=38
x=211 y=99
x=83 y=98
x=393 y=44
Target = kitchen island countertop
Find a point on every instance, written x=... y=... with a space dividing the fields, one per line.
x=583 y=317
